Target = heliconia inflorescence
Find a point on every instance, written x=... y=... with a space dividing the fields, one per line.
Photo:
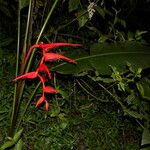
x=46 y=56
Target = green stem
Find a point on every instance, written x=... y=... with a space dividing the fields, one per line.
x=31 y=57
x=19 y=87
x=27 y=30
x=15 y=101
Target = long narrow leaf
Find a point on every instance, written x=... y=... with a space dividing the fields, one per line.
x=103 y=54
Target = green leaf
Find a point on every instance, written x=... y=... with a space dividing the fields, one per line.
x=7 y=144
x=145 y=137
x=73 y=4
x=144 y=88
x=17 y=135
x=13 y=141
x=19 y=145
x=82 y=18
x=104 y=54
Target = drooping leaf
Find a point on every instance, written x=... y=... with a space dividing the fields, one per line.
x=104 y=54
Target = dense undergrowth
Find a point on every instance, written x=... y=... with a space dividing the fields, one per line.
x=78 y=121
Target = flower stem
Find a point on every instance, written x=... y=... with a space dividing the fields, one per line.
x=15 y=100
x=19 y=87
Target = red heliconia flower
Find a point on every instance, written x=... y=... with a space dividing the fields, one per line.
x=46 y=56
x=30 y=75
x=54 y=56
x=40 y=101
x=43 y=68
x=42 y=78
x=45 y=47
x=48 y=89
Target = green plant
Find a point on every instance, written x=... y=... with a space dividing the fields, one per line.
x=105 y=91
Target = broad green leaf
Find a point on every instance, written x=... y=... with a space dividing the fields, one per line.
x=145 y=137
x=102 y=55
x=73 y=4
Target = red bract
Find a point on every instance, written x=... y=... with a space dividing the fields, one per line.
x=54 y=56
x=42 y=68
x=30 y=75
x=55 y=45
x=49 y=90
x=45 y=47
x=40 y=101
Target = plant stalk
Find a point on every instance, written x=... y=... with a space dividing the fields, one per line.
x=19 y=87
x=15 y=100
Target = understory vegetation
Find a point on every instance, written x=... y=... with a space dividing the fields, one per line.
x=100 y=98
